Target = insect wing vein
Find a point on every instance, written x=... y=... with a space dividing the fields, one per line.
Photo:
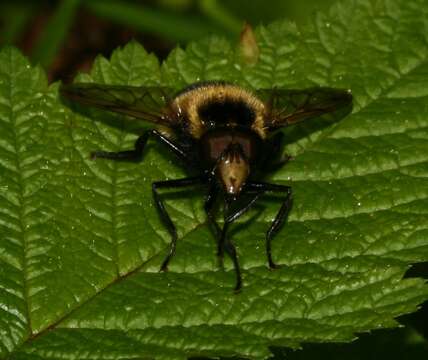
x=146 y=103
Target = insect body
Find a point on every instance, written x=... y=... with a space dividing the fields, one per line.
x=224 y=134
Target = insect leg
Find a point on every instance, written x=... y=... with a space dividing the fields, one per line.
x=246 y=206
x=230 y=249
x=170 y=184
x=209 y=206
x=280 y=216
x=140 y=143
x=225 y=243
x=274 y=161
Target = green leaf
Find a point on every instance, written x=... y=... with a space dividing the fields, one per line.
x=81 y=242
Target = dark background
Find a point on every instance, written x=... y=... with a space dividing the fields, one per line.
x=65 y=36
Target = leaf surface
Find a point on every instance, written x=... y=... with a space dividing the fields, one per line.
x=81 y=242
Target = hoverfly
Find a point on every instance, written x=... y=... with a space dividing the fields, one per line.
x=226 y=137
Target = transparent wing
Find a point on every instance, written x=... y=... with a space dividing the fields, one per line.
x=146 y=103
x=291 y=106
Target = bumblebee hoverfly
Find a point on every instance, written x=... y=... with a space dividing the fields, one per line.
x=226 y=137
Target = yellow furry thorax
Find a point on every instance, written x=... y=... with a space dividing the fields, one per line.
x=190 y=101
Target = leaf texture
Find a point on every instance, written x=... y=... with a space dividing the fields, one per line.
x=81 y=242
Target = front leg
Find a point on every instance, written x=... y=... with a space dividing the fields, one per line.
x=226 y=244
x=280 y=216
x=230 y=216
x=170 y=184
x=210 y=201
x=140 y=143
